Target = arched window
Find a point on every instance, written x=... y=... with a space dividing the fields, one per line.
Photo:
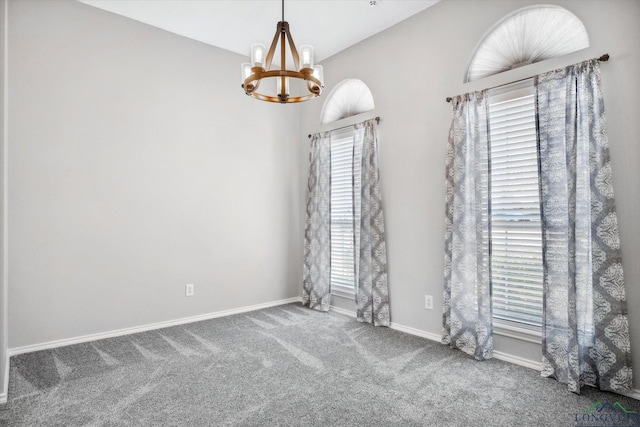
x=348 y=98
x=528 y=35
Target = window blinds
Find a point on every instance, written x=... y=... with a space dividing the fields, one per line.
x=342 y=240
x=516 y=237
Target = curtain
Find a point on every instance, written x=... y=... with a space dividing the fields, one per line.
x=585 y=326
x=467 y=318
x=317 y=234
x=372 y=292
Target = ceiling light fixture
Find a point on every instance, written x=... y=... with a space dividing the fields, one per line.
x=260 y=68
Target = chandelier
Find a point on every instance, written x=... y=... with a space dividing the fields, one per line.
x=253 y=74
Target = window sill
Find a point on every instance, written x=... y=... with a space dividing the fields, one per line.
x=343 y=292
x=517 y=330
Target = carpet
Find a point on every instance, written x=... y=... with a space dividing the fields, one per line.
x=283 y=366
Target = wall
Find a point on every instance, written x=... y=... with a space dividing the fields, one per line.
x=4 y=361
x=137 y=165
x=411 y=68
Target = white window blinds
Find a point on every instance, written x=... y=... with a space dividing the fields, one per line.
x=342 y=237
x=516 y=238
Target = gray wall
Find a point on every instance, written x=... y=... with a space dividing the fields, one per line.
x=137 y=165
x=410 y=69
x=3 y=181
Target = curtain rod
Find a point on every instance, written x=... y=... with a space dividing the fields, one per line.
x=377 y=119
x=603 y=58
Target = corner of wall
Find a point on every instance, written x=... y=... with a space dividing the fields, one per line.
x=4 y=360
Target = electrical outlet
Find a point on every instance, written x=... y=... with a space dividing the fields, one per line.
x=189 y=290
x=428 y=302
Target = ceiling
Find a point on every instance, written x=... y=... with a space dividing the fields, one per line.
x=328 y=25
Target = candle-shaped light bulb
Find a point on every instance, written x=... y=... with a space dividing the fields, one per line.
x=245 y=71
x=286 y=85
x=306 y=56
x=257 y=55
x=318 y=74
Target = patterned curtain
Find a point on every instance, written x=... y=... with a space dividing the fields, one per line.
x=317 y=234
x=372 y=293
x=585 y=327
x=467 y=295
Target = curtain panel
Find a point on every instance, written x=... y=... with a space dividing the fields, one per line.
x=370 y=252
x=467 y=317
x=316 y=280
x=585 y=325
x=372 y=290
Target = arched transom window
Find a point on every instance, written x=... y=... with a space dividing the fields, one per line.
x=528 y=35
x=348 y=98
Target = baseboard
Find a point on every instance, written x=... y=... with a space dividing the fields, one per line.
x=436 y=337
x=496 y=354
x=634 y=394
x=5 y=390
x=516 y=360
x=417 y=332
x=343 y=311
x=396 y=326
x=144 y=328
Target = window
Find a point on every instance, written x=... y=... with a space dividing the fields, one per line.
x=516 y=236
x=342 y=232
x=528 y=35
x=347 y=101
x=348 y=98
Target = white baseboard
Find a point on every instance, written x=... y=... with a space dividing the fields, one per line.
x=343 y=311
x=417 y=332
x=144 y=328
x=396 y=326
x=5 y=387
x=634 y=394
x=516 y=360
x=436 y=337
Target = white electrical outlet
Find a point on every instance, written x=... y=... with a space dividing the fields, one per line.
x=428 y=302
x=189 y=290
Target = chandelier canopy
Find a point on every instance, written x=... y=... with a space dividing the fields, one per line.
x=260 y=69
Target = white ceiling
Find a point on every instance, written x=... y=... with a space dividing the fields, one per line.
x=328 y=25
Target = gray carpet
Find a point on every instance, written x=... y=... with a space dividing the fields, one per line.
x=285 y=365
